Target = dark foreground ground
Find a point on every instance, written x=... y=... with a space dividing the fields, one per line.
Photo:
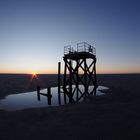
x=112 y=117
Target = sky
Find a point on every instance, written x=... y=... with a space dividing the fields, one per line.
x=33 y=34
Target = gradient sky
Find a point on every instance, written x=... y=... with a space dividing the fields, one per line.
x=33 y=33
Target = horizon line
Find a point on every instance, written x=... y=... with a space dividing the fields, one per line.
x=63 y=73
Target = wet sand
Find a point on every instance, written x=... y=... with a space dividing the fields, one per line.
x=114 y=116
x=20 y=83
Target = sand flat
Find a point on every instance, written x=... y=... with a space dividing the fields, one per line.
x=114 y=116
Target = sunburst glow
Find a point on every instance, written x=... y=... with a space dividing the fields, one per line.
x=34 y=76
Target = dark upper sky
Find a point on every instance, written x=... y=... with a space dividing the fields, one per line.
x=33 y=33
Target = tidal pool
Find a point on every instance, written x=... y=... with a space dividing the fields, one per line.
x=29 y=99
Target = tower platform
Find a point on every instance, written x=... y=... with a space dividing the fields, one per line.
x=84 y=50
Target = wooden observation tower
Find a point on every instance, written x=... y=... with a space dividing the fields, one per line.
x=79 y=71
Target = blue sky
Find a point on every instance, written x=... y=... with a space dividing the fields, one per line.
x=34 y=32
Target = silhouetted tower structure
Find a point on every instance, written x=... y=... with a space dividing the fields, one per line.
x=79 y=70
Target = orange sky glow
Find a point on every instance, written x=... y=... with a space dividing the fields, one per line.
x=100 y=70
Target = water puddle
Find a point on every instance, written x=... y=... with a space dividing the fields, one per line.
x=30 y=100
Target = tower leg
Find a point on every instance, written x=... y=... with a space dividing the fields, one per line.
x=70 y=82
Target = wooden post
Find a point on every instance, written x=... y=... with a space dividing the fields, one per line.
x=59 y=82
x=49 y=95
x=65 y=99
x=65 y=73
x=64 y=83
x=77 y=80
x=85 y=77
x=70 y=83
x=95 y=84
x=38 y=93
x=95 y=73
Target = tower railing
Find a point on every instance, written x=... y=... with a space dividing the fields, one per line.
x=85 y=47
x=81 y=47
x=68 y=49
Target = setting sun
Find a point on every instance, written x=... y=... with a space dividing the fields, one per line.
x=34 y=76
x=34 y=73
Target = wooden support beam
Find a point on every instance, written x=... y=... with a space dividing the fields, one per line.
x=49 y=95
x=70 y=83
x=38 y=93
x=59 y=82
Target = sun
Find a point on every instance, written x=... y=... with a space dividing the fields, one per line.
x=34 y=74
